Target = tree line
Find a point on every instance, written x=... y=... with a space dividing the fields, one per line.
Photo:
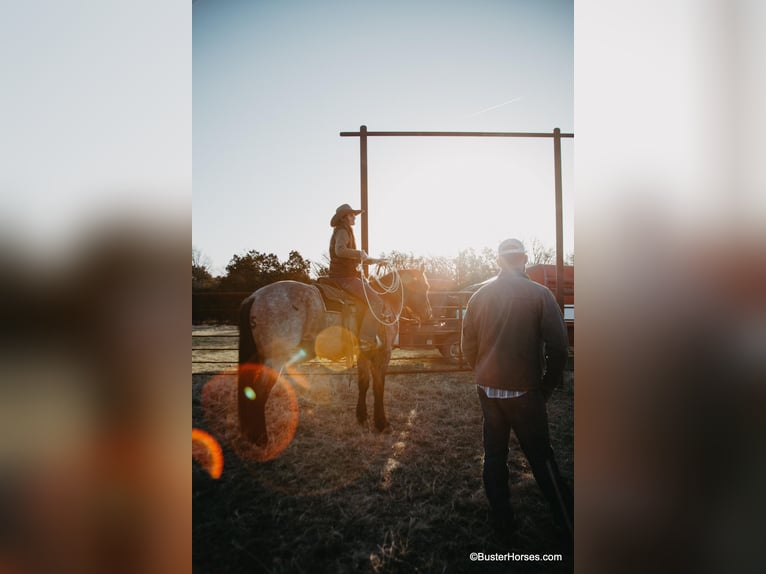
x=217 y=298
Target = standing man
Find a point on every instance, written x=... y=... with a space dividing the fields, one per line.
x=515 y=340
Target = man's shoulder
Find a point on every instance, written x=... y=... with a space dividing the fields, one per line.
x=523 y=281
x=513 y=280
x=535 y=286
x=516 y=285
x=489 y=293
x=479 y=298
x=486 y=290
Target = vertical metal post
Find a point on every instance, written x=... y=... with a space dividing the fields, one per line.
x=363 y=179
x=559 y=220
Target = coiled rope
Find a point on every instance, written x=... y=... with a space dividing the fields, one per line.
x=382 y=267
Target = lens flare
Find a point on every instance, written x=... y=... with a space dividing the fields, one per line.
x=250 y=393
x=299 y=355
x=207 y=452
x=219 y=402
x=336 y=347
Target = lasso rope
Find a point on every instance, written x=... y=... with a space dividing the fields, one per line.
x=396 y=284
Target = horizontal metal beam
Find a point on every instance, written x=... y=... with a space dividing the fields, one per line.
x=461 y=134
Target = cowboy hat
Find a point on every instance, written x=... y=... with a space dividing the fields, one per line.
x=341 y=212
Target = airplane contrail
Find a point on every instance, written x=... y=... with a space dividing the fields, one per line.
x=497 y=106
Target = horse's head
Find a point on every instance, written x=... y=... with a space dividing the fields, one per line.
x=415 y=284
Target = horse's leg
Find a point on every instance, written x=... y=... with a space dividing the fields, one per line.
x=363 y=380
x=252 y=405
x=246 y=408
x=250 y=410
x=378 y=386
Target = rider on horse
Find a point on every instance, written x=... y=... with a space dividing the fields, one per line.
x=344 y=260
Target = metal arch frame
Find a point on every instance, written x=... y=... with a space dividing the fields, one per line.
x=363 y=134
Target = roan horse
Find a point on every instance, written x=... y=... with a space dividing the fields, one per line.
x=279 y=325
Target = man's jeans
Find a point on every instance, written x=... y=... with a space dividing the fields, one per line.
x=528 y=418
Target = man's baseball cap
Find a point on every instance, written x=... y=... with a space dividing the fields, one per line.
x=510 y=246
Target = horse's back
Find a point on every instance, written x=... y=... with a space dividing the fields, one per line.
x=283 y=315
x=292 y=290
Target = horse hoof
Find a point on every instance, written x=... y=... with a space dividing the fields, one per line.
x=385 y=430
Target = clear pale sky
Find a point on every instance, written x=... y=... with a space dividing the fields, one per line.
x=274 y=83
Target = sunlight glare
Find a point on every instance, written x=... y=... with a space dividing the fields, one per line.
x=335 y=344
x=297 y=357
x=207 y=452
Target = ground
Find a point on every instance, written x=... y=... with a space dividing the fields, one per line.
x=331 y=496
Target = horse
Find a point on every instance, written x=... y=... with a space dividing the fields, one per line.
x=279 y=325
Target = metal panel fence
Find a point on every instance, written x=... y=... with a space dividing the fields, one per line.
x=432 y=347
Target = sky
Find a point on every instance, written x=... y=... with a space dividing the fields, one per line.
x=274 y=84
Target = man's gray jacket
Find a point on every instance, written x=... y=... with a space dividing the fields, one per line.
x=514 y=335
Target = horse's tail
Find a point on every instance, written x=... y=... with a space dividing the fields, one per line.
x=247 y=372
x=248 y=351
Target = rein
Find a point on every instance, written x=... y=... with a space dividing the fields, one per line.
x=396 y=285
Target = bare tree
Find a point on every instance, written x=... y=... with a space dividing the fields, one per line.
x=201 y=276
x=199 y=259
x=472 y=267
x=402 y=260
x=541 y=255
x=321 y=268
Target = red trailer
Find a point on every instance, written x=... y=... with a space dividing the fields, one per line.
x=546 y=275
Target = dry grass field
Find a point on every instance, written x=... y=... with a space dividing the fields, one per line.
x=327 y=495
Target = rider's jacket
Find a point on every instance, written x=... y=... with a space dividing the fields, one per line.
x=344 y=257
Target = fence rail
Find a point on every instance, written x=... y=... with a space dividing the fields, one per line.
x=415 y=359
x=416 y=346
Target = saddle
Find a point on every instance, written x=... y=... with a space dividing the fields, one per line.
x=336 y=299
